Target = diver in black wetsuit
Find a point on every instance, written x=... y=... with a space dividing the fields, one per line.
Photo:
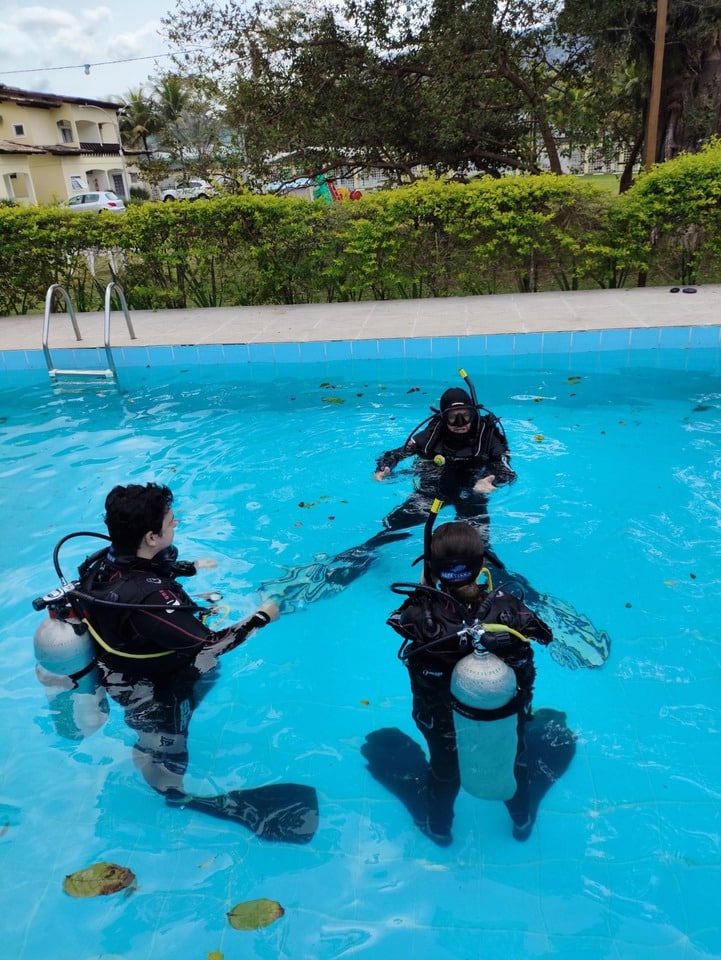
x=433 y=622
x=430 y=623
x=462 y=456
x=157 y=658
x=462 y=449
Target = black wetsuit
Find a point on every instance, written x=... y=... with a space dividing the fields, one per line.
x=466 y=459
x=426 y=617
x=160 y=662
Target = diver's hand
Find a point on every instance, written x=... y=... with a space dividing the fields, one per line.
x=271 y=609
x=205 y=563
x=485 y=484
x=382 y=473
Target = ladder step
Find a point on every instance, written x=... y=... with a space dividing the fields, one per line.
x=81 y=373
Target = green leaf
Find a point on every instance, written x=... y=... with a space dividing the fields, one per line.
x=254 y=914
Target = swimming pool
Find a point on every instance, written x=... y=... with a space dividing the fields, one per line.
x=615 y=510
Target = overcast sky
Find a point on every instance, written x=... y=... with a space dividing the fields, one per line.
x=66 y=34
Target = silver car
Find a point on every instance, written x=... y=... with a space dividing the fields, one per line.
x=96 y=202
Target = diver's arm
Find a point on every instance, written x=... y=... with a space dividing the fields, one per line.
x=391 y=458
x=226 y=640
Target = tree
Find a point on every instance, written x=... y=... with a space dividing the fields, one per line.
x=450 y=85
x=181 y=124
x=138 y=120
x=621 y=37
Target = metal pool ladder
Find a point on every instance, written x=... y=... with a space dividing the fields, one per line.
x=110 y=371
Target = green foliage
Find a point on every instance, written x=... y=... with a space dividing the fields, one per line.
x=671 y=219
x=432 y=239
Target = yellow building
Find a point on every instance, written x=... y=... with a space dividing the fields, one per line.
x=53 y=147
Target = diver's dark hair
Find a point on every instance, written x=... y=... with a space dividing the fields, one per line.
x=133 y=511
x=456 y=559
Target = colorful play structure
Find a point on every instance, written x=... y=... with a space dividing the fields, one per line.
x=327 y=190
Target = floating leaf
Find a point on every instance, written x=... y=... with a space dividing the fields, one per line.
x=332 y=400
x=254 y=914
x=365 y=703
x=215 y=955
x=573 y=380
x=670 y=583
x=100 y=880
x=539 y=438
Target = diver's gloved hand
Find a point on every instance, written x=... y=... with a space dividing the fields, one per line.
x=265 y=614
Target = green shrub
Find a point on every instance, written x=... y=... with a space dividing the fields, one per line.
x=431 y=239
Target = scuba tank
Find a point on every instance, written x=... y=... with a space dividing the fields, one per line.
x=483 y=691
x=65 y=660
x=66 y=667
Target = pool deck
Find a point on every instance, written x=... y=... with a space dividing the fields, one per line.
x=649 y=307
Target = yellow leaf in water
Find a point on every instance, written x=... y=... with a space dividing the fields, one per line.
x=539 y=438
x=254 y=914
x=99 y=880
x=215 y=955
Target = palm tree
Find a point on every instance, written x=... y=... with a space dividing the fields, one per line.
x=139 y=119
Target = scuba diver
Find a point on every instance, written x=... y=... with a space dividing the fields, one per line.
x=156 y=656
x=471 y=667
x=462 y=456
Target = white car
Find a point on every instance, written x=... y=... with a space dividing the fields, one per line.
x=192 y=189
x=97 y=202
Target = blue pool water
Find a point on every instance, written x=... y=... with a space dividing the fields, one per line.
x=616 y=510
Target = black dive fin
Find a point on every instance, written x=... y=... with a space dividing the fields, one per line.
x=576 y=641
x=549 y=747
x=326 y=575
x=398 y=763
x=280 y=812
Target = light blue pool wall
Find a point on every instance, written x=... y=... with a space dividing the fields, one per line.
x=436 y=348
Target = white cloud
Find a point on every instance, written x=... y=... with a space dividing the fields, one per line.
x=44 y=47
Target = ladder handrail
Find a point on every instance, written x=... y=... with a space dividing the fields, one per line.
x=49 y=297
x=114 y=286
x=57 y=289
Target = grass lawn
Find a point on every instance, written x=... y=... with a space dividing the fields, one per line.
x=607 y=181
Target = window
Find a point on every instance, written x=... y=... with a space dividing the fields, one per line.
x=18 y=130
x=77 y=183
x=65 y=130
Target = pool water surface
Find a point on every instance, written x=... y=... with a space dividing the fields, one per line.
x=615 y=511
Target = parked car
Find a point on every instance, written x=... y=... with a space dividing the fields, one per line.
x=192 y=189
x=96 y=202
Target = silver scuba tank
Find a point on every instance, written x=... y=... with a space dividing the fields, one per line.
x=66 y=668
x=482 y=685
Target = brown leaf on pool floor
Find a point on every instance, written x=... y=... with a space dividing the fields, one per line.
x=100 y=880
x=254 y=914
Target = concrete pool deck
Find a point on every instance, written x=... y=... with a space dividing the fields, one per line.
x=569 y=312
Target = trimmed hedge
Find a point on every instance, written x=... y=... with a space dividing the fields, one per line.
x=432 y=239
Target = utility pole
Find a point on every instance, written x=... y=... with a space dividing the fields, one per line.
x=654 y=100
